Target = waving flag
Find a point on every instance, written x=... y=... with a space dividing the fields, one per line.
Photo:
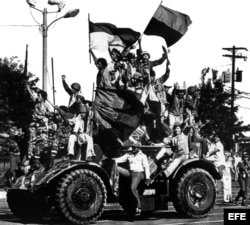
x=103 y=35
x=119 y=110
x=168 y=24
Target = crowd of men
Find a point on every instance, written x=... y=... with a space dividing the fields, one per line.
x=170 y=119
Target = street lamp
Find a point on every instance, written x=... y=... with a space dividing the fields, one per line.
x=45 y=27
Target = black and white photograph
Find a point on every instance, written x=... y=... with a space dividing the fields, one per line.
x=124 y=112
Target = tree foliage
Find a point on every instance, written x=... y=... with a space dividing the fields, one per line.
x=215 y=109
x=15 y=101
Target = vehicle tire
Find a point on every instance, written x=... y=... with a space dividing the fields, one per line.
x=195 y=193
x=81 y=196
x=28 y=205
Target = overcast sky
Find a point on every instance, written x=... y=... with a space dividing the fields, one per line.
x=216 y=24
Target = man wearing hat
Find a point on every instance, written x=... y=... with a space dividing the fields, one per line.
x=138 y=170
x=80 y=136
x=73 y=91
x=243 y=168
x=67 y=112
x=146 y=65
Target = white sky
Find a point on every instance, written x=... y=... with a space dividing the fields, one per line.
x=216 y=24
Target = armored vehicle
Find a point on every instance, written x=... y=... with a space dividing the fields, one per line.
x=80 y=190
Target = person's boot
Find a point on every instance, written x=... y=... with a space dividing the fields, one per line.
x=236 y=201
x=243 y=203
x=70 y=157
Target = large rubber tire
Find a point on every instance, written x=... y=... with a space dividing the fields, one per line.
x=81 y=196
x=28 y=205
x=195 y=193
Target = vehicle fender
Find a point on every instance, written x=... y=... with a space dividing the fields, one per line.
x=198 y=163
x=67 y=166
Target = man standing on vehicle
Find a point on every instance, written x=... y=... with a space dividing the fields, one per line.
x=138 y=170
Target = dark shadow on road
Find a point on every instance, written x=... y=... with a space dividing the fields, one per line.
x=119 y=215
x=114 y=215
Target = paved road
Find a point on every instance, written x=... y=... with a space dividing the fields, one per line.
x=113 y=215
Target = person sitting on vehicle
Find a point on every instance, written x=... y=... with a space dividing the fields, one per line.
x=79 y=137
x=76 y=105
x=138 y=170
x=179 y=149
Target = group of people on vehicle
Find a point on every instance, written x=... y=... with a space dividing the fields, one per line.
x=60 y=125
x=170 y=121
x=125 y=71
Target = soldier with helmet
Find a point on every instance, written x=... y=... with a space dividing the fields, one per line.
x=73 y=91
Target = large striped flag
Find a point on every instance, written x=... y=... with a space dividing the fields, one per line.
x=118 y=110
x=103 y=35
x=168 y=24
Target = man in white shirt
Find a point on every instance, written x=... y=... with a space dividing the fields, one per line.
x=217 y=156
x=138 y=170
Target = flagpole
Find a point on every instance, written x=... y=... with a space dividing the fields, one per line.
x=26 y=62
x=153 y=15
x=53 y=81
x=89 y=37
x=146 y=27
x=93 y=110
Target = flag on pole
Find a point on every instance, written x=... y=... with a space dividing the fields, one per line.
x=168 y=24
x=103 y=35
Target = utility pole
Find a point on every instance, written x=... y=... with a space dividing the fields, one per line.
x=233 y=57
x=45 y=27
x=45 y=49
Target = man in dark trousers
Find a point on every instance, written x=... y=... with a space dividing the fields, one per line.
x=243 y=168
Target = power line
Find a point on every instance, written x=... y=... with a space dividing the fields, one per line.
x=244 y=97
x=243 y=107
x=34 y=17
x=21 y=25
